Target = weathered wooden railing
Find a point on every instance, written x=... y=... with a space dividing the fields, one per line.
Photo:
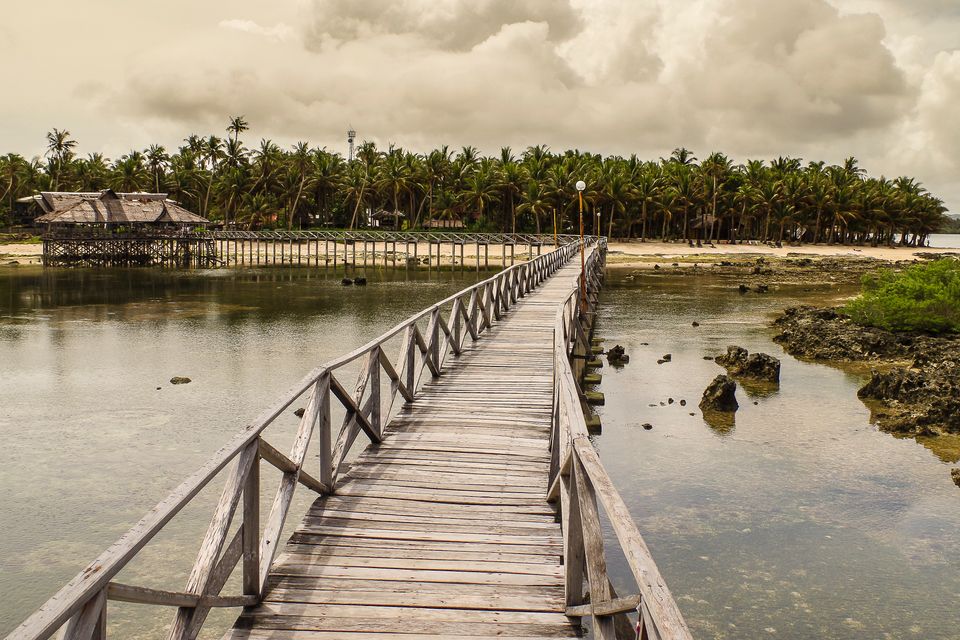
x=579 y=485
x=371 y=235
x=80 y=607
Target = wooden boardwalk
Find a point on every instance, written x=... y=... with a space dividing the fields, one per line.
x=443 y=529
x=473 y=512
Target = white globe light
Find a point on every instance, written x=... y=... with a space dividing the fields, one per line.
x=581 y=185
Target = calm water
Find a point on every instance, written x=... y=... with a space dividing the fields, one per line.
x=800 y=521
x=90 y=444
x=945 y=240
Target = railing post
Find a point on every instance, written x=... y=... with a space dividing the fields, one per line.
x=374 y=386
x=325 y=431
x=90 y=623
x=251 y=528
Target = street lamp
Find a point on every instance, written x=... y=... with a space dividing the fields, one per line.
x=581 y=185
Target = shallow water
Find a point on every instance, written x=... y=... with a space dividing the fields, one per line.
x=945 y=240
x=799 y=521
x=90 y=444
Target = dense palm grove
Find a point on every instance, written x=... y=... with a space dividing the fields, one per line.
x=675 y=198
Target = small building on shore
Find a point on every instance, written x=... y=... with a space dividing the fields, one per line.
x=107 y=228
x=110 y=210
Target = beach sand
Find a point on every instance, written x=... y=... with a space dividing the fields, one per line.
x=621 y=254
x=645 y=254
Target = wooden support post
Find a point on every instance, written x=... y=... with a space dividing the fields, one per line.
x=91 y=622
x=251 y=529
x=325 y=434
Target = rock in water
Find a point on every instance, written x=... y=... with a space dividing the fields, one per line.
x=758 y=366
x=955 y=474
x=720 y=395
x=299 y=412
x=735 y=355
x=180 y=380
x=667 y=357
x=346 y=282
x=360 y=282
x=617 y=355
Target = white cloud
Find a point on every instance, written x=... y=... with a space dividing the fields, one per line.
x=277 y=32
x=817 y=78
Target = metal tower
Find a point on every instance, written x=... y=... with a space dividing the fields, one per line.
x=351 y=135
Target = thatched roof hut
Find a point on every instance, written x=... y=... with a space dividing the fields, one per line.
x=111 y=208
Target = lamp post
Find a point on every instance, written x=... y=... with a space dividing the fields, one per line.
x=581 y=185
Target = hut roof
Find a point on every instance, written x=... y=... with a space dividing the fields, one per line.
x=111 y=207
x=383 y=214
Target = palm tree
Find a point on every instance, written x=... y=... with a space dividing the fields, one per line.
x=60 y=148
x=512 y=179
x=482 y=188
x=157 y=160
x=300 y=165
x=649 y=189
x=237 y=126
x=129 y=173
x=211 y=153
x=393 y=181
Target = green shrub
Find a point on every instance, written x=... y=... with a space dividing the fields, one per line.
x=924 y=297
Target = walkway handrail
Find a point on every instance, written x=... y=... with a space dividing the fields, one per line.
x=81 y=603
x=578 y=479
x=464 y=237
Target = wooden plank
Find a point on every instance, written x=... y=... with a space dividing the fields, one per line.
x=451 y=536
x=334 y=544
x=608 y=608
x=380 y=594
x=287 y=634
x=144 y=595
x=285 y=464
x=402 y=614
x=410 y=625
x=432 y=564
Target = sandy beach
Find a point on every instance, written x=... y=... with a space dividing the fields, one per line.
x=621 y=254
x=641 y=254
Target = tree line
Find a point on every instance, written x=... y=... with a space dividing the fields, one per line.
x=674 y=198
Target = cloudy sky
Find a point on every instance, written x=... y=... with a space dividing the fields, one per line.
x=819 y=79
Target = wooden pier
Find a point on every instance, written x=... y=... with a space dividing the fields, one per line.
x=89 y=249
x=94 y=247
x=474 y=511
x=320 y=248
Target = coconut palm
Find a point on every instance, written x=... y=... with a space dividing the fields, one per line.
x=60 y=149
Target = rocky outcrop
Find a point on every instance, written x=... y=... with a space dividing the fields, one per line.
x=915 y=387
x=955 y=474
x=616 y=355
x=758 y=366
x=720 y=395
x=180 y=380
x=922 y=401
